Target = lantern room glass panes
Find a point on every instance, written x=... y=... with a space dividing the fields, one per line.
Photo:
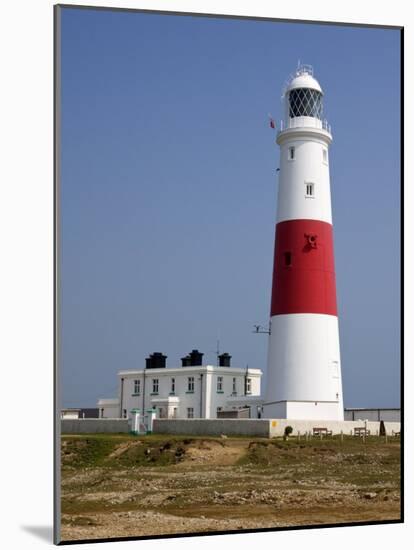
x=305 y=102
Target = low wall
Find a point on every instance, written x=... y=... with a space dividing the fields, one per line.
x=203 y=426
x=94 y=425
x=262 y=427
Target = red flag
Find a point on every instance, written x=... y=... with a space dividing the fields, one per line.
x=272 y=123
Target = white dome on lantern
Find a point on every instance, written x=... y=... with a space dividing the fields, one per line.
x=302 y=78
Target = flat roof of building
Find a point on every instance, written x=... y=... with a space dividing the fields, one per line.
x=199 y=368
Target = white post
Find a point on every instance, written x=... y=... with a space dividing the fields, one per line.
x=151 y=416
x=135 y=421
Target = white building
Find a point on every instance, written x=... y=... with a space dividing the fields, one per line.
x=190 y=391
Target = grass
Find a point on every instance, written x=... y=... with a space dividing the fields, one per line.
x=95 y=450
x=100 y=450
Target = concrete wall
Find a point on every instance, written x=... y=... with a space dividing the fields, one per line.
x=94 y=425
x=228 y=426
x=262 y=427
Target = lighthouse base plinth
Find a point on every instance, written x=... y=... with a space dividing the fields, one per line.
x=304 y=410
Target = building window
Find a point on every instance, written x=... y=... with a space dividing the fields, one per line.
x=234 y=389
x=219 y=383
x=287 y=256
x=190 y=384
x=124 y=413
x=291 y=153
x=310 y=191
x=190 y=412
x=172 y=385
x=248 y=385
x=155 y=385
x=218 y=410
x=325 y=156
x=137 y=387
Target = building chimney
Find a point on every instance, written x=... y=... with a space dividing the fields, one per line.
x=193 y=359
x=224 y=360
x=186 y=361
x=156 y=361
x=196 y=358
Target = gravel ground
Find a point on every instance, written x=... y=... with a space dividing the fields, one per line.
x=154 y=487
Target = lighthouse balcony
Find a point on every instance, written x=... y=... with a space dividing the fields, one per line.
x=304 y=122
x=303 y=127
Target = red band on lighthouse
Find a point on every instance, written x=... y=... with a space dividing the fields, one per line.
x=304 y=271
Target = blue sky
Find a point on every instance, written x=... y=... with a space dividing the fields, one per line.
x=168 y=192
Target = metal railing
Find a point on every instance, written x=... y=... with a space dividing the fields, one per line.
x=304 y=122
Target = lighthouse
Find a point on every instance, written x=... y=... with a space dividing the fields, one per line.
x=304 y=367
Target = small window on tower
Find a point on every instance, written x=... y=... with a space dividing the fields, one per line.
x=325 y=156
x=310 y=191
x=291 y=153
x=288 y=258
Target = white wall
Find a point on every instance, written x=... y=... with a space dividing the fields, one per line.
x=70 y=414
x=303 y=410
x=109 y=411
x=314 y=411
x=220 y=399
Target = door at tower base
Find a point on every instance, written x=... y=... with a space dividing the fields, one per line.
x=304 y=381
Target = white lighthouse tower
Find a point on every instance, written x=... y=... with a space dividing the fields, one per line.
x=304 y=368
